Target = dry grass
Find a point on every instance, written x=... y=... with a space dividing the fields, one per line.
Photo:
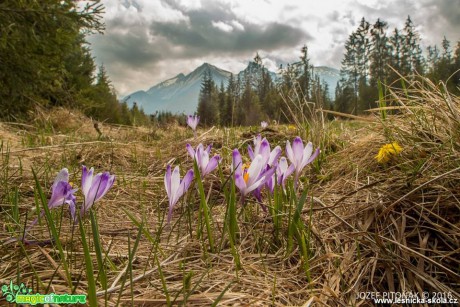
x=379 y=228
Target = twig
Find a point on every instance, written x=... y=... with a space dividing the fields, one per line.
x=61 y=145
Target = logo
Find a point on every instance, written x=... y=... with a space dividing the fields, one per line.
x=23 y=295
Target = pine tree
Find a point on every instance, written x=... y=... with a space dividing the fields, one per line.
x=363 y=52
x=305 y=75
x=222 y=104
x=207 y=102
x=363 y=45
x=412 y=59
x=396 y=45
x=380 y=53
x=40 y=47
x=350 y=70
x=250 y=106
x=227 y=117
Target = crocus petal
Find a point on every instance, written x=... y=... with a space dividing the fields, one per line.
x=307 y=154
x=175 y=183
x=250 y=152
x=213 y=162
x=240 y=183
x=281 y=168
x=177 y=187
x=185 y=184
x=297 y=149
x=257 y=141
x=313 y=157
x=59 y=194
x=237 y=161
x=190 y=150
x=258 y=193
x=274 y=155
x=86 y=179
x=204 y=161
x=199 y=154
x=289 y=171
x=63 y=175
x=208 y=149
x=103 y=187
x=254 y=170
x=269 y=183
x=168 y=181
x=90 y=197
x=110 y=182
x=254 y=185
x=72 y=209
x=289 y=152
x=264 y=150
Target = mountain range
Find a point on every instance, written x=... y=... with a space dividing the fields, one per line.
x=180 y=93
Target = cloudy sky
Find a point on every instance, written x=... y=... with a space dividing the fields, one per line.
x=148 y=41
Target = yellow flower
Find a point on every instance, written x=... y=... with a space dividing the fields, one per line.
x=388 y=151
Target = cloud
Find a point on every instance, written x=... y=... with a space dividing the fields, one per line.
x=147 y=41
x=450 y=10
x=222 y=26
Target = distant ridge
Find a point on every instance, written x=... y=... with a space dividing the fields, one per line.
x=180 y=93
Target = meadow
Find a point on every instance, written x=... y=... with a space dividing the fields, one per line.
x=361 y=218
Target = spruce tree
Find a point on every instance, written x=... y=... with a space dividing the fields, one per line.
x=380 y=53
x=40 y=47
x=207 y=102
x=350 y=71
x=396 y=45
x=222 y=104
x=305 y=75
x=412 y=59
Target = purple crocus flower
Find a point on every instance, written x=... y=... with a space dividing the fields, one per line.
x=262 y=147
x=94 y=187
x=249 y=178
x=283 y=170
x=264 y=124
x=201 y=156
x=257 y=143
x=300 y=156
x=61 y=193
x=270 y=159
x=192 y=121
x=175 y=187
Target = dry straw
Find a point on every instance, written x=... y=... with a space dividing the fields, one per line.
x=375 y=227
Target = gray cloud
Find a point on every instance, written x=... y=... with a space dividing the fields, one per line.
x=200 y=38
x=450 y=9
x=136 y=45
x=148 y=41
x=132 y=48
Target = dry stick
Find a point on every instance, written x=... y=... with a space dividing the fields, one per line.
x=53 y=263
x=416 y=189
x=63 y=145
x=117 y=279
x=203 y=134
x=348 y=115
